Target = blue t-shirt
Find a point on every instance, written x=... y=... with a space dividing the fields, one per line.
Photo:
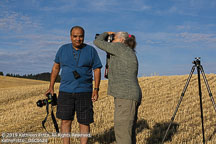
x=82 y=61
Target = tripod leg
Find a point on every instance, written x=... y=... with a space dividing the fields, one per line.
x=201 y=108
x=180 y=100
x=207 y=86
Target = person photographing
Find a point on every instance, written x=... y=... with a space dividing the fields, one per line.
x=123 y=83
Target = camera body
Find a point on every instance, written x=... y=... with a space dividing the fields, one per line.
x=51 y=99
x=110 y=38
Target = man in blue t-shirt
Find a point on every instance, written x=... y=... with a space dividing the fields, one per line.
x=76 y=61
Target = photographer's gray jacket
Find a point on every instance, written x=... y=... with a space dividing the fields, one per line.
x=123 y=69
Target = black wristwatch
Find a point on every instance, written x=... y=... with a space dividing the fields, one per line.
x=96 y=89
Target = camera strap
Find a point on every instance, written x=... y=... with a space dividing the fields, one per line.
x=76 y=55
x=53 y=118
x=107 y=66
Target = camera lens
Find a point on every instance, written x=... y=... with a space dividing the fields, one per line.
x=41 y=103
x=50 y=100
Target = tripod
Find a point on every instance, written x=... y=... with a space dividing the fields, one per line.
x=199 y=68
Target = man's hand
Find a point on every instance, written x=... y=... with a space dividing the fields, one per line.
x=95 y=95
x=49 y=91
x=97 y=75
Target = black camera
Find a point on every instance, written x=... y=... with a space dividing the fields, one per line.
x=52 y=99
x=110 y=38
x=76 y=74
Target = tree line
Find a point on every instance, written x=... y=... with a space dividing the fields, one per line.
x=40 y=76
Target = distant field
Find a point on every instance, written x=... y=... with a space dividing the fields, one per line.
x=6 y=82
x=19 y=113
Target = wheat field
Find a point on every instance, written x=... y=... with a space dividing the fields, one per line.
x=161 y=94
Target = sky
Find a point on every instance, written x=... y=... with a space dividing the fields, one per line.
x=169 y=33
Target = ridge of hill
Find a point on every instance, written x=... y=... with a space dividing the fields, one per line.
x=45 y=76
x=6 y=81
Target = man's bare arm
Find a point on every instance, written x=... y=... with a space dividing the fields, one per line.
x=97 y=78
x=54 y=74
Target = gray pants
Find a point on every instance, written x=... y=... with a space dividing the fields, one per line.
x=125 y=117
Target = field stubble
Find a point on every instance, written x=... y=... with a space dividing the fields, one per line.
x=19 y=113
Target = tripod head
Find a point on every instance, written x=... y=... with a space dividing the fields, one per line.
x=196 y=61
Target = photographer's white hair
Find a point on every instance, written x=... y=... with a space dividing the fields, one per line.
x=123 y=35
x=129 y=40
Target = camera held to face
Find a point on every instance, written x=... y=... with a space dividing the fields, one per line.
x=52 y=99
x=110 y=38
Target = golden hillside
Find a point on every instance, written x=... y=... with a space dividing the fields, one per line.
x=19 y=113
x=6 y=82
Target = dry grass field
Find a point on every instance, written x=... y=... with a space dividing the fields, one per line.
x=19 y=113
